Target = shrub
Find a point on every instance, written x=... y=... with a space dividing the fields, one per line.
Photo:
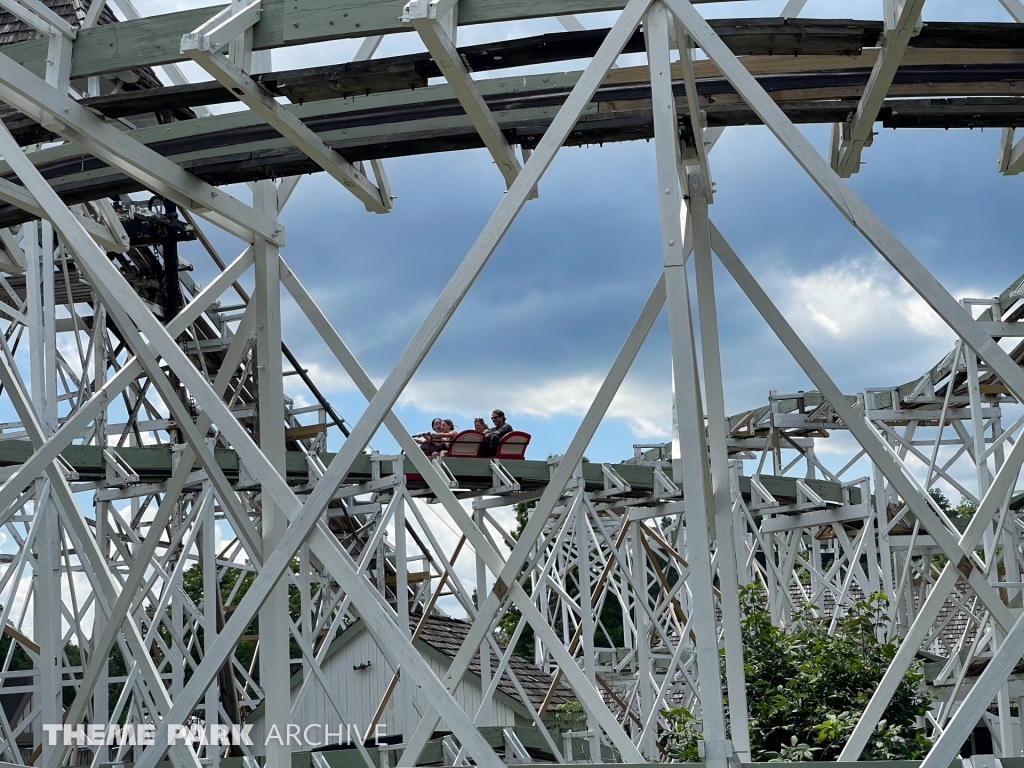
x=807 y=688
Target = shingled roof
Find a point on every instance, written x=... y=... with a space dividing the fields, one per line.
x=951 y=618
x=73 y=12
x=446 y=635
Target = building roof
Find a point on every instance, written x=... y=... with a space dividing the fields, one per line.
x=953 y=621
x=12 y=703
x=446 y=635
x=72 y=11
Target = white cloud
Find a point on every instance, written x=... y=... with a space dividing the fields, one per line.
x=643 y=405
x=328 y=376
x=861 y=298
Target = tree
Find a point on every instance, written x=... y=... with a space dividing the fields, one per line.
x=942 y=500
x=508 y=623
x=192 y=583
x=806 y=688
x=609 y=632
x=964 y=510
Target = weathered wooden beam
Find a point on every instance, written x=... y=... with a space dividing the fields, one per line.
x=631 y=122
x=239 y=147
x=156 y=40
x=842 y=41
x=817 y=42
x=154 y=463
x=958 y=34
x=745 y=37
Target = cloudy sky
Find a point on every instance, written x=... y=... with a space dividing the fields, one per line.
x=537 y=332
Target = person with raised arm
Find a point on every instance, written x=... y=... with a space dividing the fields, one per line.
x=427 y=441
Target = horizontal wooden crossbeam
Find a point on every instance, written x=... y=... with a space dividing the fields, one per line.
x=153 y=465
x=960 y=88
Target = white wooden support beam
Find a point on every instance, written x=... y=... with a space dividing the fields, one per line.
x=13 y=256
x=1015 y=8
x=424 y=16
x=92 y=16
x=571 y=23
x=380 y=175
x=223 y=28
x=32 y=97
x=1011 y=156
x=724 y=521
x=260 y=101
x=19 y=196
x=793 y=8
x=110 y=218
x=368 y=47
x=127 y=7
x=449 y=20
x=240 y=48
x=58 y=71
x=275 y=671
x=366 y=50
x=898 y=32
x=693 y=108
x=690 y=465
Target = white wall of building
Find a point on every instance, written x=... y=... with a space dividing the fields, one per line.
x=358 y=693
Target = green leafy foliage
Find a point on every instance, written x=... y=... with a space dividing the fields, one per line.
x=192 y=583
x=610 y=630
x=19 y=659
x=964 y=510
x=678 y=740
x=942 y=500
x=245 y=651
x=794 y=752
x=806 y=688
x=508 y=623
x=569 y=716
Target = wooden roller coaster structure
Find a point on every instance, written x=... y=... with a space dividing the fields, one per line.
x=184 y=543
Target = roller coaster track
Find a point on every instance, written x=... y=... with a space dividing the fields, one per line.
x=955 y=75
